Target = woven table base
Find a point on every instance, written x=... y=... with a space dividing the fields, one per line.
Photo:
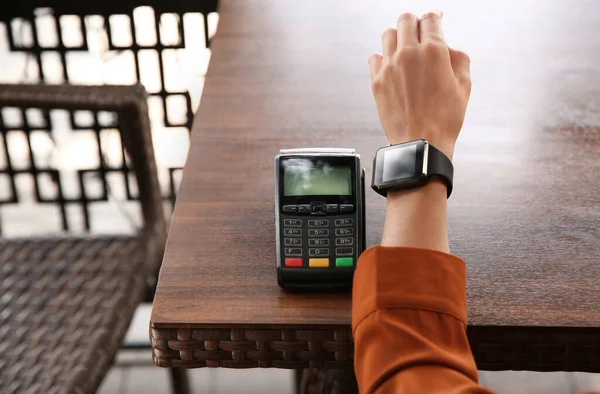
x=246 y=348
x=494 y=348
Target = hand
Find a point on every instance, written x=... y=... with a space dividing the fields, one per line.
x=421 y=87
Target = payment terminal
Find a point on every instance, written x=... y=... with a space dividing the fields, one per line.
x=319 y=217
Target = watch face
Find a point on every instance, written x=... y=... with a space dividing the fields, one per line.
x=399 y=165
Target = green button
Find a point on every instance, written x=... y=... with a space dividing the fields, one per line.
x=344 y=262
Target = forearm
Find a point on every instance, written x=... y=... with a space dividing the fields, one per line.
x=409 y=296
x=417 y=218
x=408 y=320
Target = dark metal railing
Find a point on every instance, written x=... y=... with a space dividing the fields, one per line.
x=20 y=22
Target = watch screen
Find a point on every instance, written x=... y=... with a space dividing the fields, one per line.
x=399 y=163
x=305 y=177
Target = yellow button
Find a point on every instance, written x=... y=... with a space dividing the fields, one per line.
x=318 y=263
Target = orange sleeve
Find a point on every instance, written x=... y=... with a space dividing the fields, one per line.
x=409 y=323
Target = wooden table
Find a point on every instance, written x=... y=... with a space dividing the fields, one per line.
x=525 y=213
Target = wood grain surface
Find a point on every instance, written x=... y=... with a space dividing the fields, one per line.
x=525 y=212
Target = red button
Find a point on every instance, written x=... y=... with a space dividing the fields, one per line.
x=294 y=263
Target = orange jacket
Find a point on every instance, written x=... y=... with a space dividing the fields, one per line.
x=409 y=314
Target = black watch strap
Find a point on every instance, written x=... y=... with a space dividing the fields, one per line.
x=440 y=166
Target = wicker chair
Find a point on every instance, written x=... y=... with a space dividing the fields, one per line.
x=66 y=302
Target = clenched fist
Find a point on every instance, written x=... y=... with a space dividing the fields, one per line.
x=421 y=87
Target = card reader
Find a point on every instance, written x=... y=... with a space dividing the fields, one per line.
x=319 y=217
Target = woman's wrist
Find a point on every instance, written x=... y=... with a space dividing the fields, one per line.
x=417 y=217
x=434 y=191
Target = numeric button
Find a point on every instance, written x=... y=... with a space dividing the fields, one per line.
x=318 y=232
x=292 y=241
x=318 y=223
x=340 y=232
x=318 y=242
x=292 y=232
x=344 y=241
x=344 y=222
x=318 y=252
x=292 y=223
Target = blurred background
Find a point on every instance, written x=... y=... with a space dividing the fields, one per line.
x=67 y=170
x=167 y=53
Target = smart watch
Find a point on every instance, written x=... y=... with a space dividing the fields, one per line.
x=410 y=165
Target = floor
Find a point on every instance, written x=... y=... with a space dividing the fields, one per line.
x=143 y=377
x=135 y=374
x=134 y=371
